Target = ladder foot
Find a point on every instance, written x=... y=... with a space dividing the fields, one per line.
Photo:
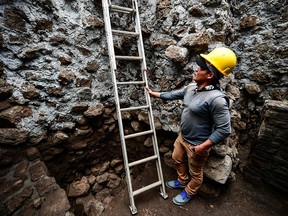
x=164 y=195
x=133 y=210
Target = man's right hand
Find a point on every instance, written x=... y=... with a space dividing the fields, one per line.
x=153 y=94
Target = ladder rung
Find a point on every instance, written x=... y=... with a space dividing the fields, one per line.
x=148 y=187
x=134 y=108
x=144 y=160
x=133 y=58
x=124 y=33
x=120 y=9
x=131 y=83
x=138 y=134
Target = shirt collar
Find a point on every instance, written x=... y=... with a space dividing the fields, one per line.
x=208 y=88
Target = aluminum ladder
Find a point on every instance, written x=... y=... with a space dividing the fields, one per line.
x=132 y=10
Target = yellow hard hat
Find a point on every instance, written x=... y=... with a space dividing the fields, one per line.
x=222 y=58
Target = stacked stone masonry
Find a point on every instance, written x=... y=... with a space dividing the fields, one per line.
x=268 y=162
x=27 y=189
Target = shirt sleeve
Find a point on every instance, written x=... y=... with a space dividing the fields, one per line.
x=221 y=117
x=173 y=95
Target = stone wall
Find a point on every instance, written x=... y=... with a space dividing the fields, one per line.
x=268 y=161
x=56 y=95
x=28 y=189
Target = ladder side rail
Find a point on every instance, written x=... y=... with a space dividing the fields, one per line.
x=150 y=115
x=143 y=66
x=140 y=38
x=109 y=37
x=113 y=68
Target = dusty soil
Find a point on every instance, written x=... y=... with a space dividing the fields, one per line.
x=237 y=198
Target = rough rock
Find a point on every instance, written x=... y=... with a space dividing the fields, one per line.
x=12 y=136
x=36 y=192
x=37 y=170
x=248 y=21
x=252 y=89
x=15 y=18
x=13 y=203
x=79 y=188
x=101 y=168
x=6 y=90
x=15 y=114
x=66 y=77
x=114 y=181
x=59 y=138
x=177 y=54
x=197 y=41
x=218 y=169
x=94 y=110
x=92 y=207
x=55 y=202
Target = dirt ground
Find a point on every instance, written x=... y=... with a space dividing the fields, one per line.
x=238 y=198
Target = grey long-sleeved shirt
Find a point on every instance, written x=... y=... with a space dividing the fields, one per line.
x=205 y=114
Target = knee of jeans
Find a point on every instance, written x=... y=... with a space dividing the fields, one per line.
x=198 y=174
x=177 y=158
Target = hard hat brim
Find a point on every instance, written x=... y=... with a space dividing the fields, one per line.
x=201 y=62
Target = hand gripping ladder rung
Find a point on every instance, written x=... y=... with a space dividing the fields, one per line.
x=108 y=8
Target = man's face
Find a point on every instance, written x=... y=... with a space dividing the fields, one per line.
x=202 y=75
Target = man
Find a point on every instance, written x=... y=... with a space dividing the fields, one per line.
x=205 y=120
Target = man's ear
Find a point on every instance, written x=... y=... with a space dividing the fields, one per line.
x=211 y=76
